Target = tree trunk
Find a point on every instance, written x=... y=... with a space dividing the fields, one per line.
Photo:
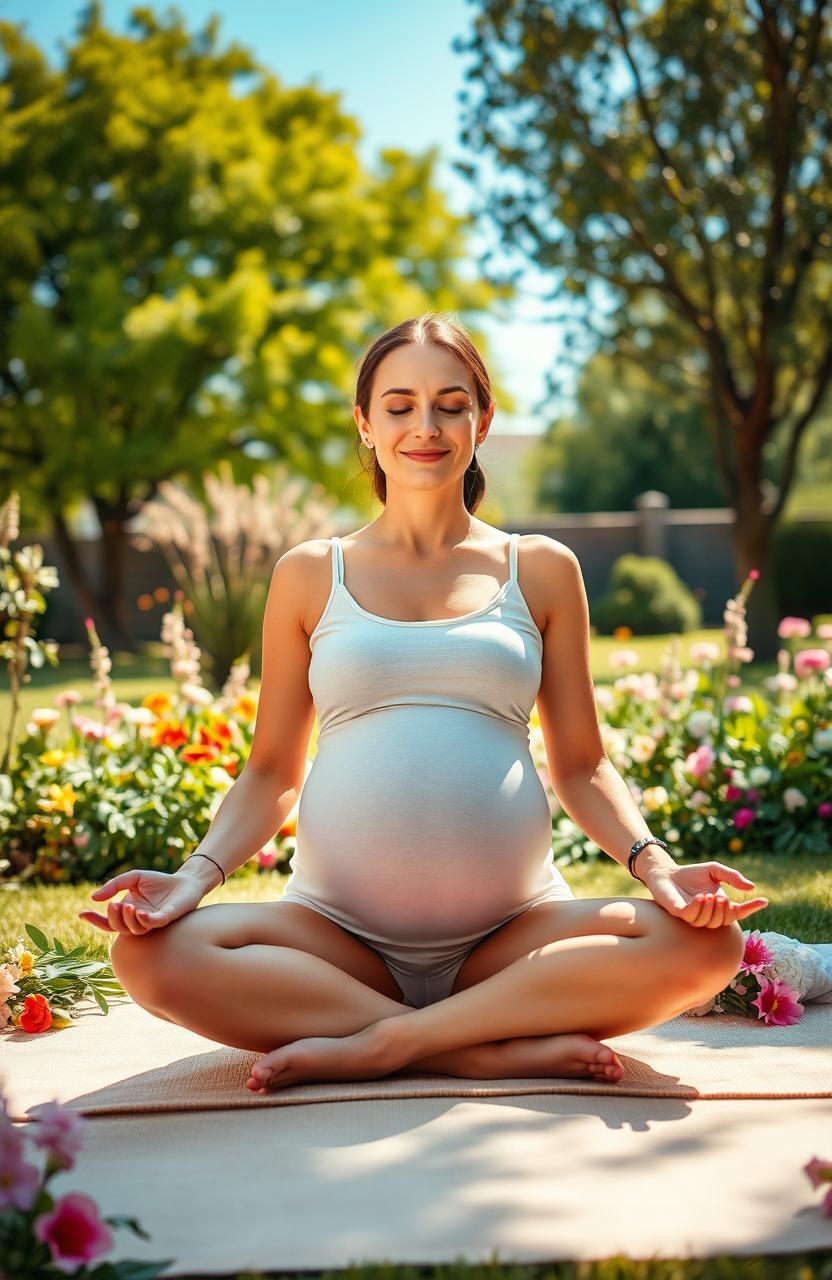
x=753 y=550
x=105 y=604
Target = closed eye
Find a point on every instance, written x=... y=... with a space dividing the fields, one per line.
x=398 y=412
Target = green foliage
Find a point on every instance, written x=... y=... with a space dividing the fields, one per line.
x=630 y=433
x=802 y=559
x=192 y=258
x=647 y=596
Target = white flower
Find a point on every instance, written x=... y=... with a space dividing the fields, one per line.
x=139 y=715
x=197 y=695
x=793 y=798
x=45 y=717
x=642 y=747
x=759 y=775
x=822 y=740
x=803 y=968
x=620 y=658
x=699 y=723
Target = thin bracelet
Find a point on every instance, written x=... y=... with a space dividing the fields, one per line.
x=210 y=859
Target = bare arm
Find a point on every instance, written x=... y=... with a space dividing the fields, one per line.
x=584 y=778
x=260 y=800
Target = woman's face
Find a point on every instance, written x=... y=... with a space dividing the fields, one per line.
x=423 y=399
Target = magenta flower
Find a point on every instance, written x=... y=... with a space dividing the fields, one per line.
x=61 y=1132
x=74 y=1232
x=744 y=818
x=734 y=793
x=825 y=809
x=756 y=954
x=777 y=1003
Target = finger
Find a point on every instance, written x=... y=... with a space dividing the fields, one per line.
x=129 y=913
x=731 y=876
x=114 y=915
x=92 y=917
x=721 y=912
x=748 y=908
x=127 y=880
x=701 y=912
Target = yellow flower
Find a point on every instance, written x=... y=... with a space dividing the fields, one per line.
x=25 y=961
x=55 y=758
x=246 y=707
x=61 y=799
x=735 y=844
x=800 y=726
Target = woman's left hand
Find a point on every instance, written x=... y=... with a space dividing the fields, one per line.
x=694 y=893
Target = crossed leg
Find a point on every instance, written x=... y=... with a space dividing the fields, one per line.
x=529 y=1000
x=600 y=967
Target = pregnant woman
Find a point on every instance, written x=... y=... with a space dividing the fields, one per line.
x=424 y=924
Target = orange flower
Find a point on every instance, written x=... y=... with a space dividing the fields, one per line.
x=735 y=844
x=61 y=799
x=198 y=755
x=290 y=826
x=36 y=1015
x=622 y=633
x=168 y=733
x=794 y=757
x=230 y=766
x=217 y=733
x=159 y=703
x=246 y=707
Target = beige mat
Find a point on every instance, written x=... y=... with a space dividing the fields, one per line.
x=130 y=1061
x=431 y=1180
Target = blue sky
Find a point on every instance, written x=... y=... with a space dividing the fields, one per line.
x=397 y=74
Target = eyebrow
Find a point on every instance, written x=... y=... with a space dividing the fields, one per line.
x=406 y=391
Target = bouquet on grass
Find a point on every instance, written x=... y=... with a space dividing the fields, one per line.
x=41 y=1236
x=776 y=973
x=41 y=986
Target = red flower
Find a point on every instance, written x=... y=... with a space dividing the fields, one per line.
x=36 y=1015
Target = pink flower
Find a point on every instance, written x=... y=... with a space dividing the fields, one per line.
x=756 y=954
x=752 y=794
x=809 y=660
x=744 y=818
x=733 y=793
x=700 y=761
x=74 y=1232
x=60 y=1131
x=789 y=626
x=67 y=697
x=825 y=809
x=19 y=1180
x=824 y=631
x=777 y=1003
x=818 y=1171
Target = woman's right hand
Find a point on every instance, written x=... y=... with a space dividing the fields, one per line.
x=154 y=899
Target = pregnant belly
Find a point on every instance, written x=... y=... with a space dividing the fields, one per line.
x=423 y=823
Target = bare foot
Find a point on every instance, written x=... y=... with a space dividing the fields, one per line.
x=361 y=1057
x=356 y=1057
x=573 y=1054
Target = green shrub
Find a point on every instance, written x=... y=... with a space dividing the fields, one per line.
x=647 y=596
x=802 y=551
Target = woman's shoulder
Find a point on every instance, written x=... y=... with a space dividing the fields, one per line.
x=304 y=573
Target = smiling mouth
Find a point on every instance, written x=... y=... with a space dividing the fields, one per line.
x=426 y=453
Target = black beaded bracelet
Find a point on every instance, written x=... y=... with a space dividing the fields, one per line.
x=636 y=850
x=210 y=859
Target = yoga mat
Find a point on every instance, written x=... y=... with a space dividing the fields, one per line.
x=131 y=1061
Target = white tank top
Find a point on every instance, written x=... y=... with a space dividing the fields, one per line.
x=488 y=660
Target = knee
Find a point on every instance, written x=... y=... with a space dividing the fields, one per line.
x=136 y=962
x=715 y=955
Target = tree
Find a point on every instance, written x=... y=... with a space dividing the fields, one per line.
x=191 y=261
x=630 y=433
x=679 y=151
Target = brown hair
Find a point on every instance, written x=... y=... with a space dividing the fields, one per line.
x=447 y=333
